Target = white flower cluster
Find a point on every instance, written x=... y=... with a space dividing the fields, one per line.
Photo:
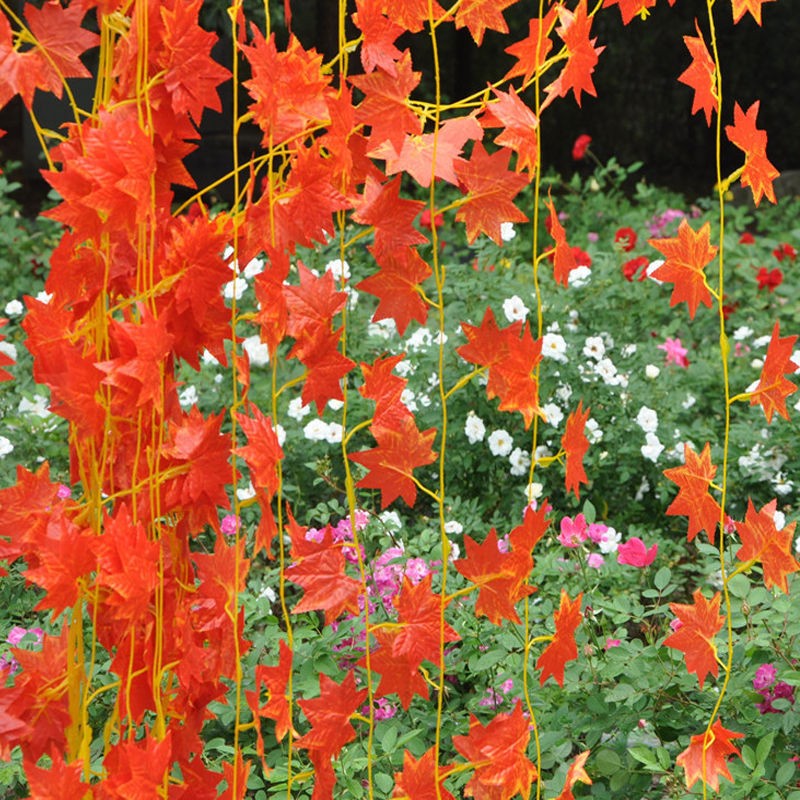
x=320 y=431
x=647 y=420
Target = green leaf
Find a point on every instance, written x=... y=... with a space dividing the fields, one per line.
x=589 y=512
x=644 y=755
x=389 y=740
x=384 y=782
x=748 y=756
x=764 y=746
x=739 y=586
x=785 y=773
x=606 y=762
x=661 y=578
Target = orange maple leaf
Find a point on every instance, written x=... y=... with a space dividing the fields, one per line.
x=275 y=679
x=763 y=542
x=59 y=781
x=758 y=172
x=686 y=256
x=377 y=47
x=630 y=8
x=706 y=756
x=500 y=577
x=562 y=648
x=753 y=6
x=575 y=773
x=491 y=188
x=417 y=780
x=262 y=451
x=402 y=447
x=700 y=75
x=773 y=388
x=399 y=670
x=498 y=751
x=575 y=444
x=564 y=257
x=531 y=52
x=693 y=500
x=582 y=55
x=700 y=623
x=478 y=15
x=5 y=360
x=521 y=127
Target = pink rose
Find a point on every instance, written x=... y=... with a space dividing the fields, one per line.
x=635 y=553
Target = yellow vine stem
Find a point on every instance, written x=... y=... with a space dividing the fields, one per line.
x=439 y=274
x=708 y=737
x=342 y=60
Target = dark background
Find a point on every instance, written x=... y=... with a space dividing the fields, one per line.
x=641 y=113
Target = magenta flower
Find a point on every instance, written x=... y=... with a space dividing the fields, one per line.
x=634 y=553
x=676 y=352
x=597 y=530
x=765 y=677
x=230 y=524
x=573 y=532
x=63 y=491
x=595 y=560
x=612 y=643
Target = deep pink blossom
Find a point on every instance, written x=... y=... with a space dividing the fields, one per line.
x=634 y=553
x=675 y=352
x=573 y=532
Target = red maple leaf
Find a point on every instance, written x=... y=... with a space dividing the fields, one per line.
x=398 y=670
x=478 y=15
x=575 y=444
x=758 y=172
x=397 y=286
x=575 y=773
x=419 y=613
x=531 y=52
x=521 y=128
x=491 y=188
x=319 y=568
x=693 y=500
x=498 y=752
x=383 y=387
x=22 y=72
x=753 y=6
x=700 y=75
x=763 y=542
x=700 y=623
x=401 y=449
x=562 y=648
x=630 y=8
x=380 y=32
x=564 y=257
x=385 y=107
x=686 y=256
x=59 y=781
x=706 y=757
x=412 y=14
x=5 y=360
x=582 y=55
x=262 y=452
x=773 y=388
x=500 y=577
x=137 y=769
x=417 y=779
x=313 y=304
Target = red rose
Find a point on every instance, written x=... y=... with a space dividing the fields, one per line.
x=785 y=251
x=630 y=268
x=581 y=146
x=747 y=238
x=627 y=238
x=769 y=278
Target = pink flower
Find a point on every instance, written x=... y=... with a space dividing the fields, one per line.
x=416 y=569
x=676 y=624
x=676 y=353
x=765 y=676
x=595 y=560
x=230 y=524
x=635 y=553
x=63 y=491
x=16 y=634
x=612 y=643
x=597 y=531
x=573 y=532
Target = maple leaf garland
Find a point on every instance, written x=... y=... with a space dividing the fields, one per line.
x=773 y=388
x=758 y=172
x=700 y=75
x=575 y=444
x=562 y=648
x=706 y=756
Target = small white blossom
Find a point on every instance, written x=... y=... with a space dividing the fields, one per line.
x=407 y=399
x=554 y=346
x=208 y=359
x=339 y=269
x=757 y=363
x=514 y=309
x=474 y=428
x=280 y=434
x=335 y=405
x=14 y=308
x=652 y=371
x=5 y=447
x=235 y=288
x=644 y=488
x=405 y=368
x=782 y=484
x=8 y=349
x=647 y=419
x=384 y=328
x=419 y=340
x=553 y=413
x=44 y=297
x=520 y=461
x=333 y=435
x=579 y=276
x=297 y=410
x=541 y=452
x=563 y=393
x=507 y=232
x=742 y=333
x=257 y=351
x=316 y=430
x=607 y=371
x=762 y=341
x=455 y=551
x=391 y=519
x=652 y=267
x=594 y=347
x=452 y=527
x=246 y=492
x=188 y=397
x=609 y=541
x=500 y=443
x=653 y=448
x=255 y=266
x=38 y=407
x=533 y=491
x=592 y=431
x=628 y=350
x=689 y=401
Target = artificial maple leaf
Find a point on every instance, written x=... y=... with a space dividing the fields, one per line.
x=312 y=304
x=319 y=568
x=262 y=452
x=59 y=781
x=758 y=172
x=582 y=55
x=491 y=188
x=397 y=286
x=5 y=359
x=478 y=15
x=411 y=15
x=773 y=388
x=630 y=8
x=275 y=680
x=500 y=577
x=700 y=623
x=753 y=6
x=694 y=479
x=575 y=773
x=521 y=128
x=421 y=630
x=391 y=215
x=562 y=648
x=431 y=155
x=534 y=525
x=763 y=542
x=385 y=106
x=498 y=751
x=531 y=52
x=686 y=256
x=417 y=779
x=575 y=444
x=288 y=88
x=564 y=256
x=137 y=769
x=399 y=672
x=381 y=386
x=379 y=32
x=22 y=72
x=701 y=76
x=273 y=315
x=401 y=449
x=705 y=758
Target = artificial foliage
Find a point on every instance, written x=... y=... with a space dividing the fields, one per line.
x=151 y=666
